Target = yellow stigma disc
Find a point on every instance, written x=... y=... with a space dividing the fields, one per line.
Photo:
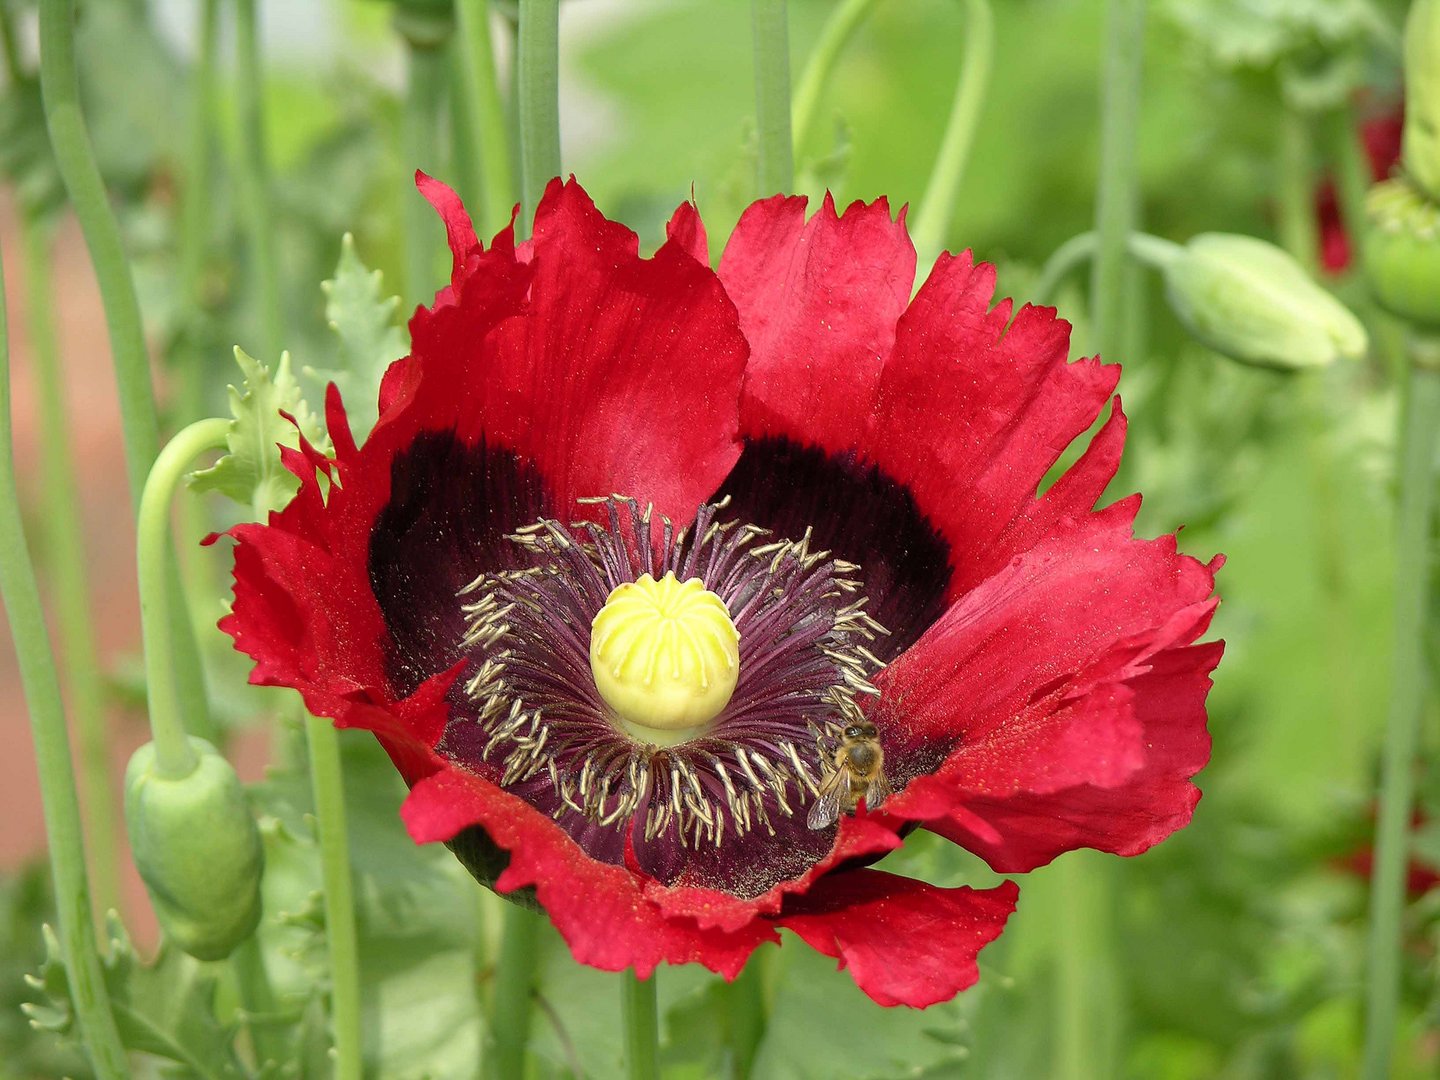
x=665 y=656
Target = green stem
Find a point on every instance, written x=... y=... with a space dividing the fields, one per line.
x=463 y=147
x=9 y=47
x=1352 y=173
x=937 y=206
x=252 y=982
x=38 y=676
x=60 y=89
x=835 y=35
x=420 y=133
x=197 y=200
x=174 y=755
x=253 y=176
x=1116 y=196
x=538 y=74
x=65 y=545
x=1088 y=1004
x=1299 y=230
x=642 y=1026
x=1153 y=251
x=745 y=1014
x=327 y=781
x=514 y=992
x=487 y=110
x=1412 y=576
x=776 y=167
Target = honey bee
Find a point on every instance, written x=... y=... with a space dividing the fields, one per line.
x=859 y=765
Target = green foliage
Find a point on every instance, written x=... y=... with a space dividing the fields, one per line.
x=415 y=913
x=363 y=318
x=165 y=1009
x=1315 y=49
x=251 y=472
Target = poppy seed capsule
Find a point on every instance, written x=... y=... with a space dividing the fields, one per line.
x=1402 y=251
x=665 y=656
x=1253 y=303
x=198 y=850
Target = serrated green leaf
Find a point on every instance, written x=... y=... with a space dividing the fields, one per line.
x=166 y=1009
x=414 y=911
x=363 y=319
x=821 y=1025
x=251 y=472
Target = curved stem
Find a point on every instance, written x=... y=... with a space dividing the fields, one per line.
x=1063 y=261
x=327 y=781
x=835 y=35
x=937 y=206
x=514 y=991
x=642 y=1026
x=769 y=23
x=477 y=61
x=1115 y=199
x=21 y=598
x=65 y=544
x=174 y=755
x=60 y=88
x=420 y=131
x=1413 y=532
x=539 y=93
x=253 y=176
x=1153 y=251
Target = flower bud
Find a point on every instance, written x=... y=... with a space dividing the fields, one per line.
x=198 y=850
x=1402 y=251
x=1421 y=144
x=1252 y=302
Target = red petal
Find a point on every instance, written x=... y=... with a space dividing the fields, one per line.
x=972 y=414
x=905 y=942
x=819 y=302
x=458 y=230
x=600 y=909
x=857 y=838
x=1025 y=831
x=610 y=373
x=687 y=232
x=1044 y=681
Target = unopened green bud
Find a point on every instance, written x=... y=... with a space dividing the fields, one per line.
x=198 y=850
x=1421 y=143
x=1253 y=303
x=1402 y=251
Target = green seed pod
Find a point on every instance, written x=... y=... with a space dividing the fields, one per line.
x=1421 y=145
x=1252 y=302
x=1402 y=251
x=198 y=850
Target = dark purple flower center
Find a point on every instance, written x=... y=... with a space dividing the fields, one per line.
x=531 y=707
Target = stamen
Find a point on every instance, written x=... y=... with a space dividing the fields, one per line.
x=795 y=619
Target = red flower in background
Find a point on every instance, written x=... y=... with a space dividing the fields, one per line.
x=854 y=473
x=1381 y=137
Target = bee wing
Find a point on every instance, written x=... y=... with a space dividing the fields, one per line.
x=827 y=803
x=877 y=791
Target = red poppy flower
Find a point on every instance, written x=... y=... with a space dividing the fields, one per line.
x=853 y=475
